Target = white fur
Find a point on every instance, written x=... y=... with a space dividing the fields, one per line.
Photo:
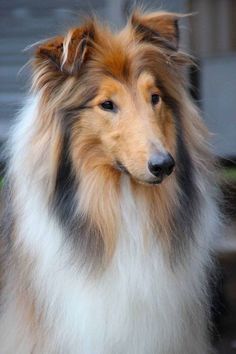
x=138 y=306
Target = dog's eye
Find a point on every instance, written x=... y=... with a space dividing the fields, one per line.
x=155 y=99
x=108 y=105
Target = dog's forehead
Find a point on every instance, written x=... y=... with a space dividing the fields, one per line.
x=110 y=86
x=128 y=62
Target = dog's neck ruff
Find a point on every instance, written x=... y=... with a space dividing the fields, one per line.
x=75 y=305
x=94 y=261
x=156 y=210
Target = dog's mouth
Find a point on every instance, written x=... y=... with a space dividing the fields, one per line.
x=151 y=181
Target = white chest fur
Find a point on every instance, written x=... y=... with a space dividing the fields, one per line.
x=138 y=306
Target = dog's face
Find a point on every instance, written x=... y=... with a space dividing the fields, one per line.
x=115 y=90
x=110 y=104
x=130 y=128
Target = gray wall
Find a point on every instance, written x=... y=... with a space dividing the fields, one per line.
x=23 y=22
x=218 y=86
x=213 y=40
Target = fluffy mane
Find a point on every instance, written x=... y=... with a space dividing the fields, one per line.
x=81 y=188
x=100 y=253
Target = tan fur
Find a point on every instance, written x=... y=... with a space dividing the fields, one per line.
x=99 y=139
x=90 y=188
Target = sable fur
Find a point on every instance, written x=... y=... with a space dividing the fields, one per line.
x=97 y=259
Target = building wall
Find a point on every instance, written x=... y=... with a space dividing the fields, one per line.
x=218 y=87
x=23 y=22
x=213 y=41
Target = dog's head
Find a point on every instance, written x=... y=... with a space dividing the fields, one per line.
x=115 y=96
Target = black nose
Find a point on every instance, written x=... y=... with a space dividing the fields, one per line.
x=161 y=164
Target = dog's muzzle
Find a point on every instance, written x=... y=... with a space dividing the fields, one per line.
x=161 y=165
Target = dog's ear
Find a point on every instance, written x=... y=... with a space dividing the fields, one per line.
x=67 y=54
x=159 y=28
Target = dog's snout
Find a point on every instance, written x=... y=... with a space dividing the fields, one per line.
x=161 y=164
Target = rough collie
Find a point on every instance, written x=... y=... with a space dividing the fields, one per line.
x=110 y=199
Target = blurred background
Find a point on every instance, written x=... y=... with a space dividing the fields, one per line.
x=210 y=35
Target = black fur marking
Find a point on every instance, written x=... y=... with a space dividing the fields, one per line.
x=184 y=165
x=79 y=229
x=187 y=213
x=185 y=175
x=65 y=185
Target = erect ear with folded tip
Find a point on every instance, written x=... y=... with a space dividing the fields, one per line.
x=159 y=28
x=67 y=54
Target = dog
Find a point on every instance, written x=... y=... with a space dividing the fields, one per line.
x=111 y=200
